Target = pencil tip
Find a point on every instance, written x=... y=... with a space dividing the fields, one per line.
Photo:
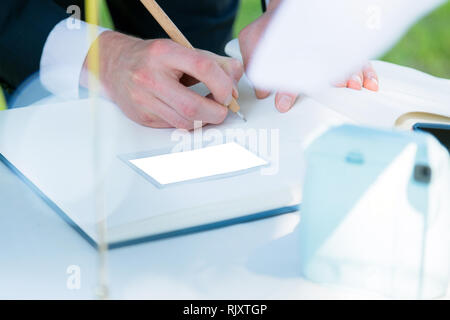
x=241 y=116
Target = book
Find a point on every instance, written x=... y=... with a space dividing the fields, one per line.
x=77 y=155
x=406 y=97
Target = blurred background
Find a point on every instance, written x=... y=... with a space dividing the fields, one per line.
x=425 y=47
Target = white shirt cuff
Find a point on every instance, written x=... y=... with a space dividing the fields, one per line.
x=63 y=57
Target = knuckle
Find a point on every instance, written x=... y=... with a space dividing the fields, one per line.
x=152 y=83
x=138 y=77
x=147 y=119
x=189 y=111
x=141 y=78
x=136 y=98
x=159 y=47
x=205 y=65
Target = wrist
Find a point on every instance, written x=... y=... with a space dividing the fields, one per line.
x=110 y=46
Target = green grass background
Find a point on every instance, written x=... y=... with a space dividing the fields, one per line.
x=426 y=46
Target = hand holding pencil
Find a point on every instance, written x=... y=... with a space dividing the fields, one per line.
x=175 y=34
x=149 y=80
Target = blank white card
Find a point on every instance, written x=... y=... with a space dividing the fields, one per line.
x=200 y=163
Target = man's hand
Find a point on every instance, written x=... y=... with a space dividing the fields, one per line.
x=149 y=79
x=248 y=39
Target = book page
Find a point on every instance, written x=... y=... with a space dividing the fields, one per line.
x=402 y=91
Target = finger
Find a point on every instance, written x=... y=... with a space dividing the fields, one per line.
x=152 y=112
x=205 y=69
x=231 y=66
x=262 y=94
x=189 y=104
x=145 y=117
x=235 y=69
x=148 y=119
x=284 y=101
x=138 y=112
x=370 y=81
x=248 y=39
x=355 y=81
x=341 y=84
x=169 y=115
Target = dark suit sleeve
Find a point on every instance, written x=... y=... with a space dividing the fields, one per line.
x=24 y=27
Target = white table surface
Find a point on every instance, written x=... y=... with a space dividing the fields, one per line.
x=256 y=260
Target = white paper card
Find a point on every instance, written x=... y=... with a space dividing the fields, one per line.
x=200 y=163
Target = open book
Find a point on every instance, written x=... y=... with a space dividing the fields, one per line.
x=82 y=156
x=406 y=97
x=76 y=156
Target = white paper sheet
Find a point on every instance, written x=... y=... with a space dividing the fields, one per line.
x=196 y=164
x=311 y=44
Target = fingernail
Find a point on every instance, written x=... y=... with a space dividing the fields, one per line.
x=285 y=103
x=235 y=91
x=357 y=78
x=228 y=100
x=374 y=80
